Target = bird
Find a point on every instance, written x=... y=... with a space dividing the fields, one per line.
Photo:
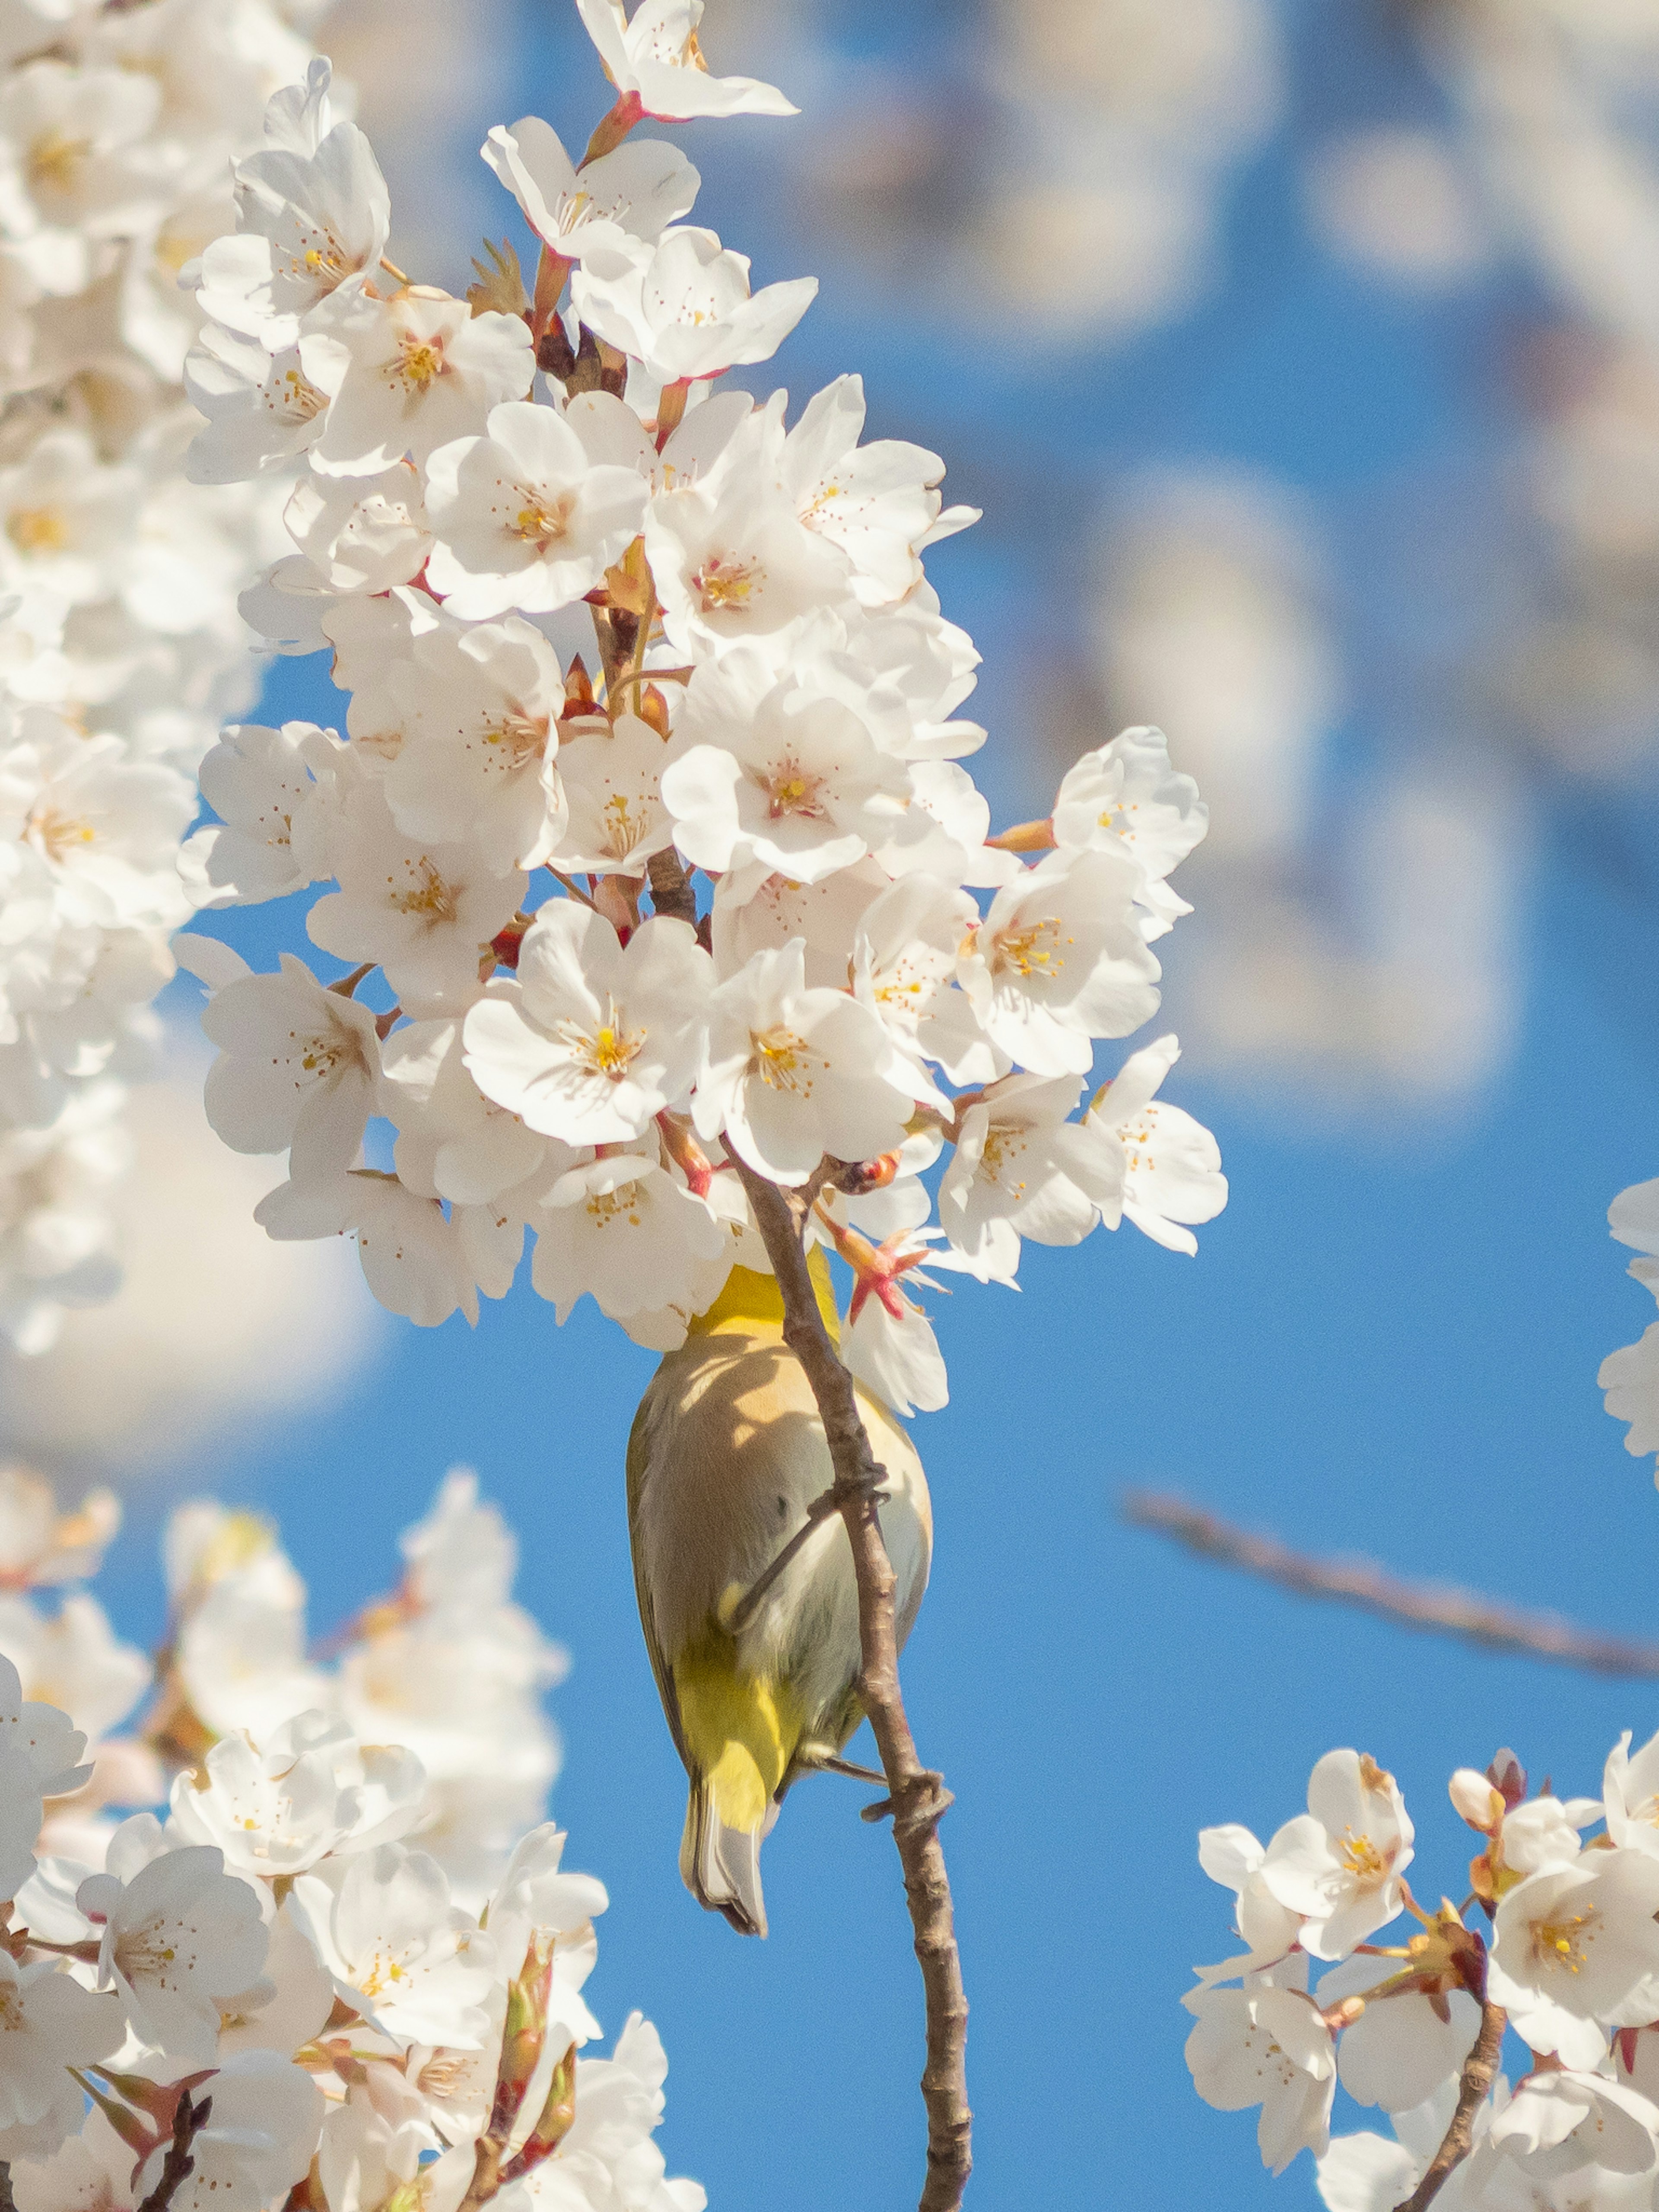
x=726 y=1454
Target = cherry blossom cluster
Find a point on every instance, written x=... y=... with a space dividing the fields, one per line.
x=650 y=846
x=336 y=1977
x=1555 y=1944
x=121 y=649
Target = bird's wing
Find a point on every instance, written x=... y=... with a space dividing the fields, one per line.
x=640 y=1443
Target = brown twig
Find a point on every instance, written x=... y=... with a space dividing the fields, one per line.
x=1438 y=1608
x=1473 y=2090
x=671 y=891
x=8 y=2202
x=188 y=2121
x=919 y=1797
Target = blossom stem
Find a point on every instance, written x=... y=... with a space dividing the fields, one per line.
x=648 y=676
x=572 y=887
x=1473 y=2090
x=919 y=1797
x=613 y=128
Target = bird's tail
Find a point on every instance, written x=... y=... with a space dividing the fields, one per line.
x=740 y=1732
x=720 y=1864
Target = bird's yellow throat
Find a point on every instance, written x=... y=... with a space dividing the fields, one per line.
x=749 y=1303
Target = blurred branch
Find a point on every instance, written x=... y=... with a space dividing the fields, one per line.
x=1438 y=1608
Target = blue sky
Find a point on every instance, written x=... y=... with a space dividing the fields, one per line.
x=1388 y=1344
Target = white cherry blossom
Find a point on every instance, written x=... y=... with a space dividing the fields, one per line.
x=298 y=1066
x=262 y=410
x=178 y=1935
x=1266 y=2044
x=258 y=2141
x=1136 y=1155
x=757 y=912
x=683 y=308
x=1339 y=1864
x=878 y=502
x=412 y=1962
x=479 y=710
x=424 y=910
x=407 y=375
x=634 y=191
x=904 y=964
x=1558 y=2123
x=781 y=776
x=1231 y=1855
x=311 y=220
x=48 y=2022
x=311 y=1789
x=1058 y=962
x=67 y=523
x=888 y=1343
x=1630 y=1794
x=527 y=516
x=1570 y=1944
x=453 y=1142
x=41 y=1544
x=362 y=534
x=415 y=1258
x=608 y=2158
x=75 y=163
x=1127 y=793
x=612 y=775
x=1008 y=1178
x=733 y=562
x=595 y=1037
x=269 y=839
x=656 y=57
x=626 y=1232
x=792 y=1072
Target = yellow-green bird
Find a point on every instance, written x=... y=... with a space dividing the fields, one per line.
x=726 y=1454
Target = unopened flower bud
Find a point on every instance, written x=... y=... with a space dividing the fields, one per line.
x=1508 y=1776
x=1474 y=1798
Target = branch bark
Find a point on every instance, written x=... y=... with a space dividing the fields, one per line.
x=1438 y=1607
x=178 y=2165
x=919 y=1797
x=8 y=2202
x=1473 y=2090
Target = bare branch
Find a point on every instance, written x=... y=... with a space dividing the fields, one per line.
x=1473 y=2090
x=8 y=2202
x=918 y=1797
x=188 y=2121
x=1438 y=1608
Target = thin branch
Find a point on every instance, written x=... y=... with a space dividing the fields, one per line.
x=919 y=1797
x=1474 y=2089
x=1438 y=1608
x=8 y=2202
x=188 y=2121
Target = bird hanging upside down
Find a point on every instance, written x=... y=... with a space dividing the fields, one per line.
x=726 y=1455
